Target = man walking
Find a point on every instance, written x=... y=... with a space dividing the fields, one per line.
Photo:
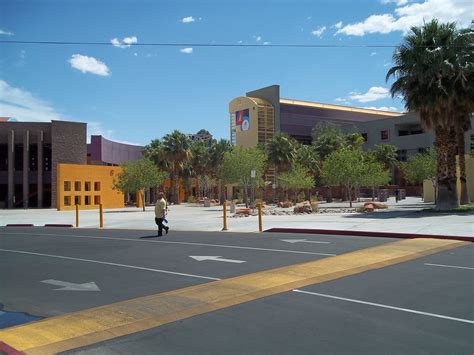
x=161 y=208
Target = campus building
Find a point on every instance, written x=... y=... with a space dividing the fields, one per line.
x=256 y=117
x=29 y=155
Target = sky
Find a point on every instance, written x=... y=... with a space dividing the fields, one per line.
x=131 y=91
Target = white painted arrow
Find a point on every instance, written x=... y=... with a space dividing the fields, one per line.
x=302 y=241
x=215 y=258
x=69 y=286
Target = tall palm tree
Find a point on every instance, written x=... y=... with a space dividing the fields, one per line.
x=423 y=75
x=281 y=153
x=218 y=149
x=463 y=94
x=200 y=161
x=177 y=149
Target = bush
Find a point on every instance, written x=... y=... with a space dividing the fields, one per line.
x=192 y=199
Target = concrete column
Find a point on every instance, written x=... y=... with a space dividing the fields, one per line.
x=11 y=166
x=40 y=169
x=26 y=168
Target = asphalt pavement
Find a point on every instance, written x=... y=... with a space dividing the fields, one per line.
x=418 y=306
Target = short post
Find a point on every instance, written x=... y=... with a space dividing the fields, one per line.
x=101 y=212
x=77 y=216
x=225 y=216
x=260 y=226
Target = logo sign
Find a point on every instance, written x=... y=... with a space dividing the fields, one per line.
x=242 y=120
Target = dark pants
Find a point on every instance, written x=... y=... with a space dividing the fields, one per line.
x=159 y=223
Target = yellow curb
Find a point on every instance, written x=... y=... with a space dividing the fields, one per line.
x=73 y=330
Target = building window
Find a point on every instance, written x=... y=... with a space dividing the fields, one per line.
x=67 y=200
x=77 y=186
x=77 y=200
x=384 y=135
x=87 y=200
x=364 y=135
x=97 y=200
x=97 y=186
x=87 y=186
x=67 y=186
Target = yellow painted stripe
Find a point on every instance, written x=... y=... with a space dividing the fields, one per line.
x=93 y=325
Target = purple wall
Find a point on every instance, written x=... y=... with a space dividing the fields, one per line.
x=298 y=120
x=103 y=151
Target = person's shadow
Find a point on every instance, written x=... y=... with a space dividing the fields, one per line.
x=149 y=236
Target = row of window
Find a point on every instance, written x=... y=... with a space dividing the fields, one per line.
x=383 y=135
x=78 y=186
x=81 y=200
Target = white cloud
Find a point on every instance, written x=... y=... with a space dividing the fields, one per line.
x=319 y=31
x=375 y=93
x=415 y=14
x=398 y=2
x=337 y=25
x=24 y=106
x=266 y=43
x=89 y=65
x=186 y=50
x=258 y=38
x=383 y=108
x=188 y=19
x=124 y=43
x=135 y=54
x=6 y=33
x=240 y=42
x=373 y=53
x=342 y=100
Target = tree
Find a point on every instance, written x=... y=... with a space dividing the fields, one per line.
x=281 y=151
x=387 y=155
x=297 y=178
x=218 y=150
x=344 y=167
x=237 y=166
x=138 y=176
x=177 y=150
x=374 y=173
x=327 y=138
x=426 y=72
x=201 y=163
x=420 y=167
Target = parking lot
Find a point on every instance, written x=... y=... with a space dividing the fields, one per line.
x=223 y=294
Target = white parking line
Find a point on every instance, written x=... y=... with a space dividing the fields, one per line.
x=107 y=263
x=451 y=266
x=168 y=242
x=386 y=306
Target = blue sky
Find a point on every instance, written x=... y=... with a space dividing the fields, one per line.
x=135 y=93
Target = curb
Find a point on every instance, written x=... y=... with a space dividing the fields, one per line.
x=20 y=225
x=59 y=225
x=368 y=233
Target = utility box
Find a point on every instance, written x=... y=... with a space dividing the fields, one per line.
x=382 y=195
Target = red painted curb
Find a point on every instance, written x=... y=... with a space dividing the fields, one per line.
x=6 y=349
x=19 y=225
x=368 y=234
x=58 y=225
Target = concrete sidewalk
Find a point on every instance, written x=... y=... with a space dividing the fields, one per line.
x=407 y=216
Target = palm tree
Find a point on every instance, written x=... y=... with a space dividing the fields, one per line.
x=423 y=75
x=200 y=161
x=281 y=152
x=463 y=94
x=177 y=149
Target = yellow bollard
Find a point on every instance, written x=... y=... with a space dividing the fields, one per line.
x=77 y=216
x=101 y=212
x=225 y=216
x=260 y=226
